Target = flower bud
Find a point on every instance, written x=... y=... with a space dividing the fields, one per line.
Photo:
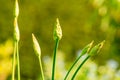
x=57 y=30
x=16 y=8
x=16 y=31
x=87 y=48
x=96 y=49
x=36 y=46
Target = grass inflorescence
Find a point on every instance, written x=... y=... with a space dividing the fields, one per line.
x=16 y=41
x=57 y=36
x=85 y=50
x=37 y=50
x=89 y=49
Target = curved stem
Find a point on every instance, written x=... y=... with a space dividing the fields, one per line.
x=79 y=67
x=41 y=68
x=72 y=67
x=54 y=58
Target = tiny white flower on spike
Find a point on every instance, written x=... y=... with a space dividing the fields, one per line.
x=36 y=46
x=57 y=30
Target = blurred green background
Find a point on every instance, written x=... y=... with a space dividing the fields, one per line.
x=81 y=20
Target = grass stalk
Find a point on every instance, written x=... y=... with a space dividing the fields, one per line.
x=18 y=60
x=72 y=67
x=13 y=62
x=79 y=67
x=16 y=41
x=37 y=50
x=57 y=35
x=40 y=62
x=54 y=58
x=85 y=50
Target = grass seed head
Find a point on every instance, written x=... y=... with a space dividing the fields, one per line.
x=16 y=31
x=87 y=48
x=16 y=8
x=96 y=49
x=36 y=46
x=57 y=30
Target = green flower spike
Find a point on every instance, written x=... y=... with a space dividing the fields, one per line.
x=16 y=29
x=37 y=50
x=91 y=52
x=16 y=41
x=85 y=50
x=57 y=35
x=57 y=30
x=96 y=49
x=36 y=46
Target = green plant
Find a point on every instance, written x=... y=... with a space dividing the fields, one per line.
x=16 y=41
x=85 y=50
x=57 y=36
x=38 y=53
x=92 y=52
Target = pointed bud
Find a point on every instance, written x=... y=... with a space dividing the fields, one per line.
x=16 y=31
x=57 y=30
x=36 y=46
x=87 y=48
x=96 y=49
x=16 y=8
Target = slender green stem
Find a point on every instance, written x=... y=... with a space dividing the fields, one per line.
x=79 y=67
x=13 y=62
x=72 y=67
x=18 y=61
x=41 y=68
x=54 y=58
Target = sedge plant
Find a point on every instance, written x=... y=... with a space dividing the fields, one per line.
x=37 y=50
x=57 y=36
x=16 y=41
x=91 y=53
x=85 y=50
